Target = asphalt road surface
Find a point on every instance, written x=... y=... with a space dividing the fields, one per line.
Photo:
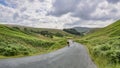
x=74 y=56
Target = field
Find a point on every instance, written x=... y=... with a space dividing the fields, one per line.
x=104 y=46
x=16 y=41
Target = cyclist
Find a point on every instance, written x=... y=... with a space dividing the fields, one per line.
x=68 y=43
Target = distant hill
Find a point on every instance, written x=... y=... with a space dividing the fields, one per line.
x=80 y=30
x=83 y=29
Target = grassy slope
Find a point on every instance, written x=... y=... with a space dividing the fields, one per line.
x=111 y=31
x=104 y=46
x=15 y=42
x=42 y=29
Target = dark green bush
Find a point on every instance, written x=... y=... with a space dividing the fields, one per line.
x=114 y=56
x=59 y=34
x=110 y=49
x=105 y=47
x=13 y=49
x=39 y=43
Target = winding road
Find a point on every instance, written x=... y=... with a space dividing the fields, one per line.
x=74 y=56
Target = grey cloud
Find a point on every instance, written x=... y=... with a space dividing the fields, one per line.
x=113 y=1
x=15 y=16
x=23 y=9
x=100 y=18
x=34 y=20
x=72 y=24
x=25 y=17
x=86 y=9
x=81 y=9
x=75 y=24
x=112 y=14
x=38 y=10
x=34 y=0
x=63 y=6
x=41 y=0
x=31 y=0
x=114 y=10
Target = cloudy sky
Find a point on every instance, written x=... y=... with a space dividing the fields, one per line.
x=59 y=13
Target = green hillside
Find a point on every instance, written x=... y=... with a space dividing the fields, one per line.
x=112 y=30
x=22 y=41
x=104 y=45
x=40 y=29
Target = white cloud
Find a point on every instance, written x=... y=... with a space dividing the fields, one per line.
x=106 y=12
x=6 y=13
x=59 y=13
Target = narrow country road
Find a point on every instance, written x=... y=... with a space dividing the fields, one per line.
x=75 y=56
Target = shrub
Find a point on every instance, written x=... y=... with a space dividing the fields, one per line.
x=13 y=49
x=114 y=56
x=39 y=43
x=59 y=34
x=110 y=49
